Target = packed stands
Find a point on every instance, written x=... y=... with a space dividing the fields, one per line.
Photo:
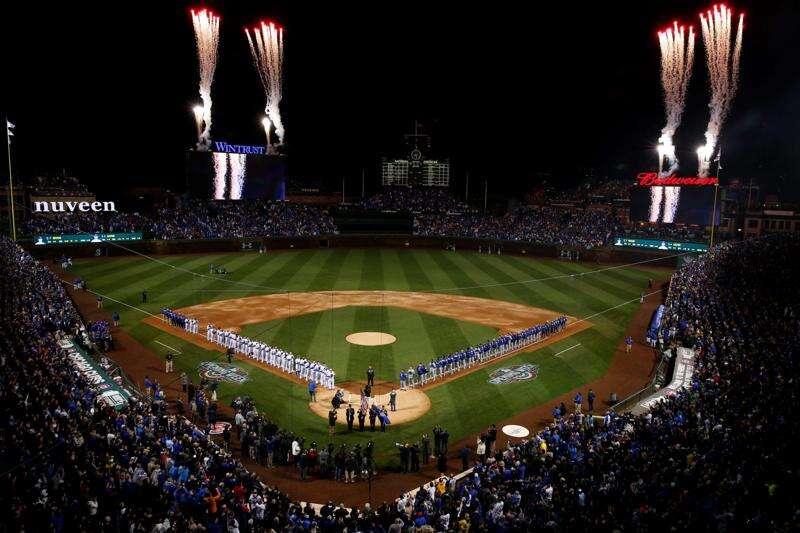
x=534 y=224
x=415 y=200
x=716 y=456
x=195 y=219
x=72 y=463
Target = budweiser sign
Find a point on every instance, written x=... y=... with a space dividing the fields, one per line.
x=651 y=179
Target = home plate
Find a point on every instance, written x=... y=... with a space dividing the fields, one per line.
x=516 y=431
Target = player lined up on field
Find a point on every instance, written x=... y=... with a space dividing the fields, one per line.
x=305 y=369
x=491 y=349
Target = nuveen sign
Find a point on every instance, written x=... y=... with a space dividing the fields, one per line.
x=68 y=207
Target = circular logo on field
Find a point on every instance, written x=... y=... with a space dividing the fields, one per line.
x=223 y=372
x=217 y=428
x=515 y=373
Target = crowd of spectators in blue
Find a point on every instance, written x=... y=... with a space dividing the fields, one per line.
x=72 y=463
x=415 y=200
x=195 y=219
x=535 y=224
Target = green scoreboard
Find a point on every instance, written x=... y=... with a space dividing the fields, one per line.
x=660 y=244
x=96 y=238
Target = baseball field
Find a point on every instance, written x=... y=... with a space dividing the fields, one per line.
x=431 y=302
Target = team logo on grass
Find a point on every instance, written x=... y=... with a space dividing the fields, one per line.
x=524 y=372
x=223 y=372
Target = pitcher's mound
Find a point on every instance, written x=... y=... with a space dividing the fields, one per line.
x=370 y=338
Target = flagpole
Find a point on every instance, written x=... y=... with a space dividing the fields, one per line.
x=11 y=185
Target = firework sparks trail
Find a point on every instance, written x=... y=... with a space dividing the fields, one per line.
x=672 y=196
x=220 y=174
x=206 y=33
x=266 y=48
x=656 y=195
x=723 y=73
x=677 y=59
x=237 y=174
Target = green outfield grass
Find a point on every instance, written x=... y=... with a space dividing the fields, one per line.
x=465 y=405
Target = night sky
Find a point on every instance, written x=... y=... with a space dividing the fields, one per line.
x=106 y=92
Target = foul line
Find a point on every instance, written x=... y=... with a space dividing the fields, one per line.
x=106 y=297
x=566 y=350
x=168 y=347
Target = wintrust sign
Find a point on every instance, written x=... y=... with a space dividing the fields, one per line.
x=70 y=206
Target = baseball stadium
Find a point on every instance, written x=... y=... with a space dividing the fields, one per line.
x=246 y=333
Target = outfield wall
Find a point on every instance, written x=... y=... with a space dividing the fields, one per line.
x=164 y=247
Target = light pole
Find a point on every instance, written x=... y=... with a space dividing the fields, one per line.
x=9 y=134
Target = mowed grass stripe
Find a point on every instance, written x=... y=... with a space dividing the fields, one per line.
x=100 y=267
x=288 y=334
x=170 y=288
x=535 y=294
x=456 y=275
x=125 y=276
x=129 y=288
x=394 y=276
x=578 y=305
x=607 y=323
x=603 y=281
x=512 y=291
x=368 y=319
x=416 y=279
x=592 y=285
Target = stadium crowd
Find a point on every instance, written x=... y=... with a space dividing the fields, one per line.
x=718 y=455
x=415 y=200
x=194 y=219
x=72 y=463
x=534 y=224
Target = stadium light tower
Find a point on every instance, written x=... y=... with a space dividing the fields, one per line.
x=10 y=133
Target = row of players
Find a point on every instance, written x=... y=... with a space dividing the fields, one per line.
x=192 y=325
x=494 y=348
x=264 y=353
x=325 y=376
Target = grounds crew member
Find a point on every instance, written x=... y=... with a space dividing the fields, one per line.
x=350 y=415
